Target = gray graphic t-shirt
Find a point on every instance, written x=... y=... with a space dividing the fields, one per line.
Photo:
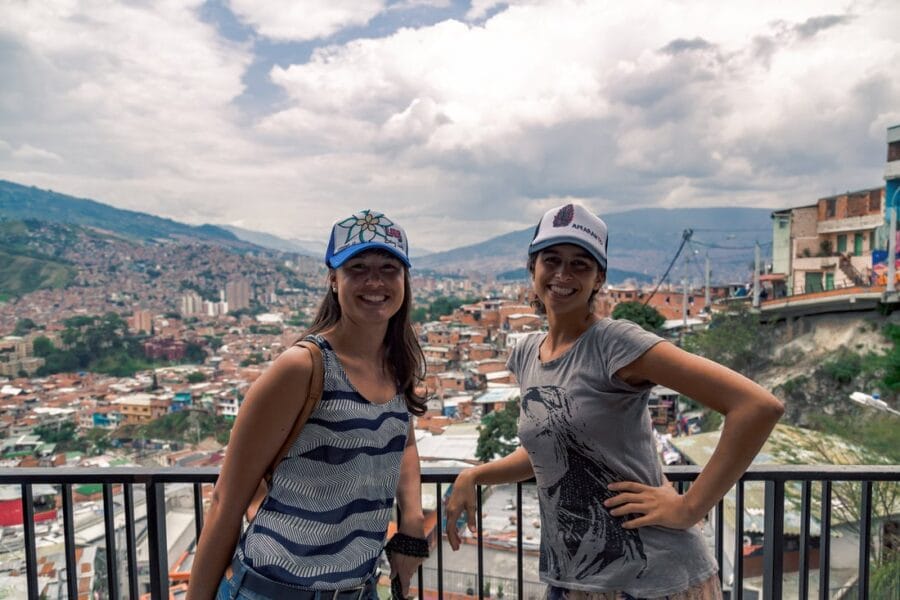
x=585 y=428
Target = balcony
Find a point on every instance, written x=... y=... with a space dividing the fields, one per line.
x=135 y=569
x=863 y=223
x=892 y=170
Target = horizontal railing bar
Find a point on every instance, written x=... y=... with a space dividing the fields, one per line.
x=143 y=475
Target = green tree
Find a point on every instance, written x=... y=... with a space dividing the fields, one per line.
x=196 y=377
x=498 y=431
x=737 y=340
x=214 y=341
x=97 y=441
x=188 y=426
x=42 y=346
x=891 y=360
x=645 y=316
x=61 y=433
x=194 y=353
x=23 y=326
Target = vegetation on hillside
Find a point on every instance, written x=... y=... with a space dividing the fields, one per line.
x=102 y=345
x=31 y=256
x=737 y=340
x=21 y=202
x=65 y=436
x=636 y=312
x=440 y=306
x=187 y=426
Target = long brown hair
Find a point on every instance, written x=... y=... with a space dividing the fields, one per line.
x=403 y=355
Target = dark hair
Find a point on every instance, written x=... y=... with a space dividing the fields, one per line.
x=402 y=352
x=536 y=303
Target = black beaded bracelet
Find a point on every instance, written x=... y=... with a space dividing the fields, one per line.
x=408 y=545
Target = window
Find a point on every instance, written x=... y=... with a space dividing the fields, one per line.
x=857 y=244
x=893 y=151
x=830 y=205
x=829 y=281
x=872 y=240
x=875 y=202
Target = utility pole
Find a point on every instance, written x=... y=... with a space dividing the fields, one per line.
x=756 y=289
x=892 y=246
x=684 y=302
x=707 y=297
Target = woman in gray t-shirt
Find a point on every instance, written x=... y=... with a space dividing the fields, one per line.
x=611 y=526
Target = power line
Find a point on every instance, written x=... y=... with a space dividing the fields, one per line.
x=731 y=230
x=685 y=237
x=690 y=260
x=719 y=247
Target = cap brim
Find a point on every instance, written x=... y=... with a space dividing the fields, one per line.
x=344 y=255
x=601 y=260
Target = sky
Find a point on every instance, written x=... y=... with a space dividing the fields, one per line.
x=459 y=120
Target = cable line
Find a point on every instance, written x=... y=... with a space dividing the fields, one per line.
x=685 y=238
x=718 y=247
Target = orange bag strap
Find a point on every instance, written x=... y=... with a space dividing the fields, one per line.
x=316 y=384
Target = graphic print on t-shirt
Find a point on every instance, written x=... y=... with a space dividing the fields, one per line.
x=581 y=537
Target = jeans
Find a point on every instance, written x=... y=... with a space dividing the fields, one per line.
x=234 y=589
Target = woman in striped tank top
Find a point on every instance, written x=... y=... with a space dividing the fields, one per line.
x=321 y=528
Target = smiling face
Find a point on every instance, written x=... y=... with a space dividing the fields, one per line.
x=565 y=277
x=370 y=286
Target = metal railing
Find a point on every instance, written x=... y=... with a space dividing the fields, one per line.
x=152 y=482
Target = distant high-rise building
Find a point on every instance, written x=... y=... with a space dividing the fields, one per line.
x=214 y=309
x=237 y=294
x=191 y=304
x=141 y=320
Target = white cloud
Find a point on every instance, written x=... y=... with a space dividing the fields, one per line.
x=460 y=130
x=564 y=98
x=30 y=153
x=289 y=20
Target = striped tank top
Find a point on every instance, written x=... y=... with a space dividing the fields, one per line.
x=324 y=521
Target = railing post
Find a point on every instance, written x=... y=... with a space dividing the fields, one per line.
x=29 y=540
x=520 y=571
x=439 y=540
x=773 y=542
x=156 y=540
x=198 y=509
x=478 y=502
x=737 y=586
x=865 y=537
x=825 y=542
x=69 y=537
x=112 y=559
x=805 y=498
x=720 y=537
x=130 y=543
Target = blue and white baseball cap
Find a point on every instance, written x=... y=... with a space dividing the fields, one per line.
x=365 y=230
x=572 y=224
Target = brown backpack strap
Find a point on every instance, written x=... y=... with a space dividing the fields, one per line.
x=314 y=394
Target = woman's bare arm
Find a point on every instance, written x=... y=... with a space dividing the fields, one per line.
x=750 y=414
x=266 y=417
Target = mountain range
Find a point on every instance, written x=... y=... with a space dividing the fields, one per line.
x=642 y=242
x=19 y=203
